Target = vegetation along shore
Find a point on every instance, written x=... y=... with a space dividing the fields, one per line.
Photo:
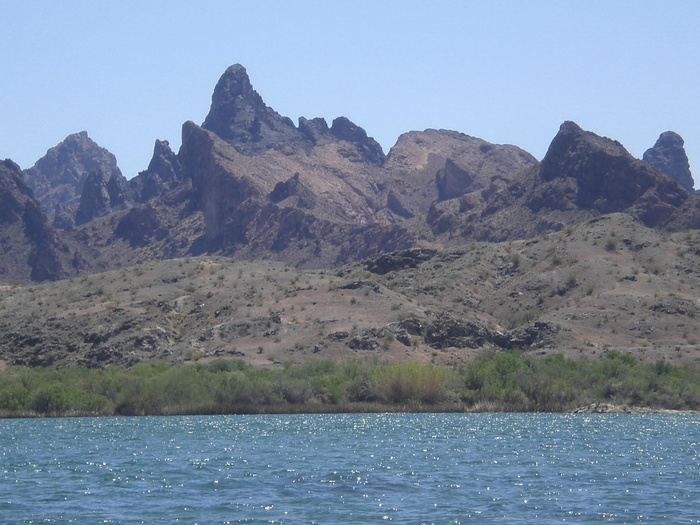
x=494 y=381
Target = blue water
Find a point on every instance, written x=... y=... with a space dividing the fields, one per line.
x=358 y=468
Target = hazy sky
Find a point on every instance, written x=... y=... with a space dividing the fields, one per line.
x=131 y=72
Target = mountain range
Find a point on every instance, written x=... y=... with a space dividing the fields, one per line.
x=251 y=185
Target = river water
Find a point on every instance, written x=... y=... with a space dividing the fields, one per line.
x=352 y=468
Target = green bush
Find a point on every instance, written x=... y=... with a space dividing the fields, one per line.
x=411 y=383
x=494 y=380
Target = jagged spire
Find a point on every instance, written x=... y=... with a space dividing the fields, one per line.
x=240 y=117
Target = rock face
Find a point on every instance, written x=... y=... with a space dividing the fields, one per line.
x=163 y=173
x=604 y=177
x=240 y=117
x=57 y=178
x=101 y=196
x=31 y=249
x=668 y=155
x=314 y=209
x=438 y=165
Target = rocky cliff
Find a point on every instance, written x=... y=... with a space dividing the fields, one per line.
x=31 y=248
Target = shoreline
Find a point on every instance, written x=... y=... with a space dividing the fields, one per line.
x=355 y=408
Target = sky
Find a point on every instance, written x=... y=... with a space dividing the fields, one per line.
x=509 y=72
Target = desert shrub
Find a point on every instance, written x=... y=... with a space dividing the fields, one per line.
x=62 y=398
x=409 y=382
x=13 y=394
x=494 y=380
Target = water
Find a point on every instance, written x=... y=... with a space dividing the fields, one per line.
x=352 y=468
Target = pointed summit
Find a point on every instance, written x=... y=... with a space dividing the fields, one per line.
x=668 y=155
x=607 y=178
x=240 y=117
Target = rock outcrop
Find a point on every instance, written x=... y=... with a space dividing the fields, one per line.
x=101 y=196
x=31 y=248
x=604 y=177
x=163 y=173
x=239 y=116
x=369 y=148
x=57 y=178
x=668 y=155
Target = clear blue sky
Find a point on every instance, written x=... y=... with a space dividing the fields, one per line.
x=130 y=72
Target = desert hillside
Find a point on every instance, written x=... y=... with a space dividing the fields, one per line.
x=608 y=283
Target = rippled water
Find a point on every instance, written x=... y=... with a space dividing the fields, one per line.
x=358 y=468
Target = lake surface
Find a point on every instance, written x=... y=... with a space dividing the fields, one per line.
x=352 y=468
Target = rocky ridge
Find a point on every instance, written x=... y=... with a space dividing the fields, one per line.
x=248 y=182
x=250 y=185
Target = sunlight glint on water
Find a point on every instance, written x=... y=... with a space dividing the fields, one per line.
x=358 y=468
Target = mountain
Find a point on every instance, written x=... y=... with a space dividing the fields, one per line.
x=57 y=178
x=456 y=243
x=606 y=283
x=250 y=183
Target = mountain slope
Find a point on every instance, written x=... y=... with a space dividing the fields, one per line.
x=32 y=249
x=608 y=283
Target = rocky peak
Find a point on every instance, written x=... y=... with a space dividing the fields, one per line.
x=101 y=196
x=315 y=130
x=668 y=155
x=343 y=129
x=240 y=117
x=606 y=178
x=571 y=146
x=57 y=178
x=163 y=171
